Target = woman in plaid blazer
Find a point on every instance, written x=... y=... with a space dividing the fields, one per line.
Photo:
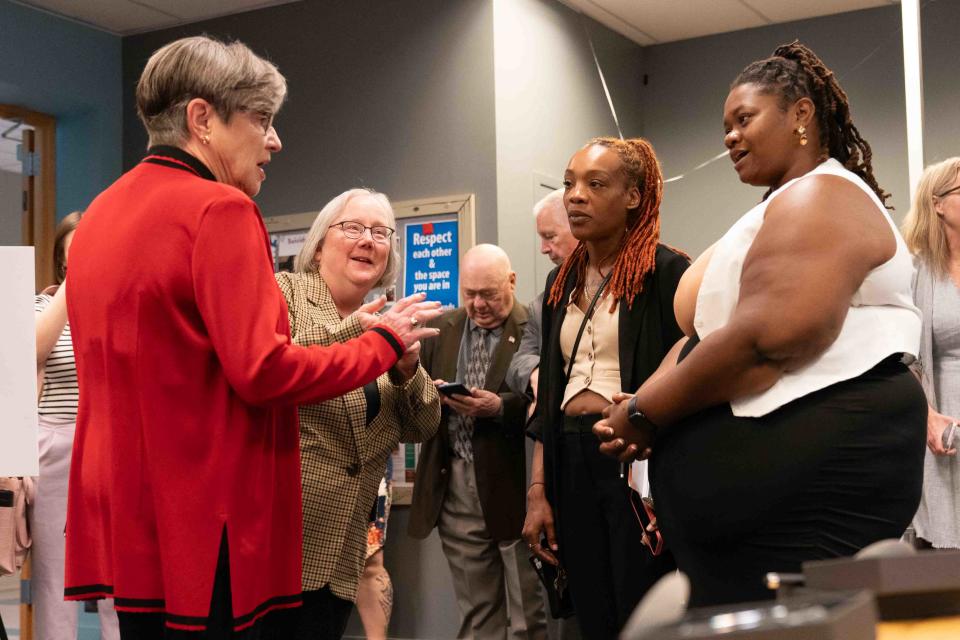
x=345 y=442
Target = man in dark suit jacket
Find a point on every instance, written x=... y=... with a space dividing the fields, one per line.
x=470 y=481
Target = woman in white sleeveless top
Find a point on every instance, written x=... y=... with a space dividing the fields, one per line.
x=790 y=430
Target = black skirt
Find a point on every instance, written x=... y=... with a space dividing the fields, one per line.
x=821 y=477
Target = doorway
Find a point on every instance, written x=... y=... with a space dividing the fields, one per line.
x=28 y=185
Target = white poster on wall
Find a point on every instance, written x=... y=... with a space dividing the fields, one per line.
x=18 y=364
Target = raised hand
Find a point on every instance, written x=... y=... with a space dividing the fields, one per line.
x=408 y=317
x=369 y=314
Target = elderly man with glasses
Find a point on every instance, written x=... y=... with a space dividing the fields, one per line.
x=471 y=476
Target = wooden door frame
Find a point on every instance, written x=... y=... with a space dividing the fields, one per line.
x=41 y=218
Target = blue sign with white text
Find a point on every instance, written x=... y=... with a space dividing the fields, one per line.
x=431 y=263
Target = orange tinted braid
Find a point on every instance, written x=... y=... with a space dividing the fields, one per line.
x=636 y=257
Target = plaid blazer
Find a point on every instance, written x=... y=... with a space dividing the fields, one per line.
x=342 y=458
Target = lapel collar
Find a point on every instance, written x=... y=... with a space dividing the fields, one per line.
x=629 y=326
x=451 y=333
x=500 y=361
x=323 y=311
x=559 y=314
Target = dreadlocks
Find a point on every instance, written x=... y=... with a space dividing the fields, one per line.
x=794 y=72
x=638 y=249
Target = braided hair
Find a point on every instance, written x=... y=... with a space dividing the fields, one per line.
x=636 y=255
x=795 y=71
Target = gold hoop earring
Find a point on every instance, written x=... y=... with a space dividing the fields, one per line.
x=802 y=132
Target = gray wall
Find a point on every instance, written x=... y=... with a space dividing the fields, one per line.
x=387 y=94
x=940 y=21
x=11 y=209
x=689 y=80
x=549 y=101
x=72 y=72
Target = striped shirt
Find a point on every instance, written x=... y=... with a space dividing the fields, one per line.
x=60 y=391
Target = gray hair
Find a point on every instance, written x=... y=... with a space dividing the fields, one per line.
x=305 y=262
x=229 y=76
x=552 y=199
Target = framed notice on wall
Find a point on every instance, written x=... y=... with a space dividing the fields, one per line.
x=432 y=260
x=434 y=234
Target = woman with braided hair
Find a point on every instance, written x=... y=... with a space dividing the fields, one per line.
x=577 y=499
x=790 y=430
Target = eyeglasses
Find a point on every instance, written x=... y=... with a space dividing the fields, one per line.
x=262 y=118
x=354 y=231
x=948 y=192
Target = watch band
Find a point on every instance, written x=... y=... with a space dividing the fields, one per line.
x=638 y=418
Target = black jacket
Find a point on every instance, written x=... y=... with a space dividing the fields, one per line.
x=647 y=330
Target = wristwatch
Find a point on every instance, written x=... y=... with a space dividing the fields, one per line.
x=639 y=419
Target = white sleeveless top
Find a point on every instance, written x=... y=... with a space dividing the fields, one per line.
x=882 y=319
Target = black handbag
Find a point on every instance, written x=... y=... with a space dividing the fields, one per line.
x=554 y=581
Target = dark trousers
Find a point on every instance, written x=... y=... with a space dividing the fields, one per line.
x=324 y=616
x=608 y=568
x=820 y=477
x=276 y=625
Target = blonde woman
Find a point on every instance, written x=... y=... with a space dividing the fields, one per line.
x=932 y=231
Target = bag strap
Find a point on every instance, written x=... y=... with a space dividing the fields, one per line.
x=586 y=316
x=20 y=518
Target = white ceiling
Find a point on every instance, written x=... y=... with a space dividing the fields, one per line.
x=649 y=22
x=643 y=21
x=8 y=145
x=125 y=17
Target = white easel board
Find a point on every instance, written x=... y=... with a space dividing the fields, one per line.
x=18 y=364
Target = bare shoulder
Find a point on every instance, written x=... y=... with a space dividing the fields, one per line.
x=685 y=298
x=832 y=212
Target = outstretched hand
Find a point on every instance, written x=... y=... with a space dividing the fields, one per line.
x=408 y=318
x=369 y=314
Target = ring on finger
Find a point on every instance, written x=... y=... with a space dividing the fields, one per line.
x=414 y=322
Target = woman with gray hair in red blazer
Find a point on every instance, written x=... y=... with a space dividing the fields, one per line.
x=184 y=500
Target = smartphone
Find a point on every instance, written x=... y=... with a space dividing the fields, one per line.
x=451 y=388
x=949 y=434
x=643 y=510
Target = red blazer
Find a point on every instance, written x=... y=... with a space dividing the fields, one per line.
x=187 y=423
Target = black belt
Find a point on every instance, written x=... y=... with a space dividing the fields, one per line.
x=580 y=424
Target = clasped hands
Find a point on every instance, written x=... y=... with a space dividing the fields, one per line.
x=479 y=404
x=619 y=438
